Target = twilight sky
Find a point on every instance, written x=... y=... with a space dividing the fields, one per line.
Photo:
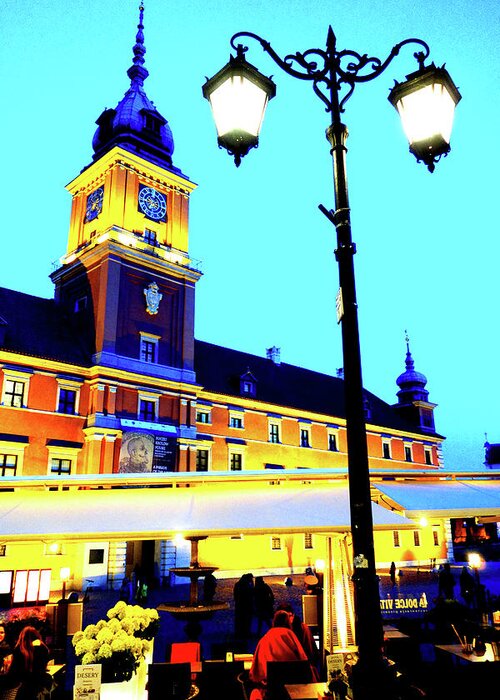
x=428 y=245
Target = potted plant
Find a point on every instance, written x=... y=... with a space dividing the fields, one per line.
x=122 y=645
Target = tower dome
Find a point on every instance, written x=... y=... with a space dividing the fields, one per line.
x=135 y=124
x=411 y=383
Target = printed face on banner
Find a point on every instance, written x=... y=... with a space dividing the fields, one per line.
x=136 y=454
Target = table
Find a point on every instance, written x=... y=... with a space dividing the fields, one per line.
x=305 y=691
x=456 y=650
x=391 y=632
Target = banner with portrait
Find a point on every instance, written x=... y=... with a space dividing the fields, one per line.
x=143 y=452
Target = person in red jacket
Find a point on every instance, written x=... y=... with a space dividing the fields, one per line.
x=279 y=643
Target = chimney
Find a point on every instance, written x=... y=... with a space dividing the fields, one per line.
x=274 y=354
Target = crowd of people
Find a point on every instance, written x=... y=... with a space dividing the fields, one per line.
x=23 y=665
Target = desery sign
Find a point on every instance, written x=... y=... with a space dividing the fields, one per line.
x=403 y=605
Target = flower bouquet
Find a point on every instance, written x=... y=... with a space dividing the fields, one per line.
x=119 y=644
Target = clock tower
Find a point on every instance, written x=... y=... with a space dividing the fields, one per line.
x=129 y=234
x=127 y=279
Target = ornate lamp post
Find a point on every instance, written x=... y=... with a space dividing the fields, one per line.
x=426 y=102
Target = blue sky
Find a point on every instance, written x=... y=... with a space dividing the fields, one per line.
x=428 y=245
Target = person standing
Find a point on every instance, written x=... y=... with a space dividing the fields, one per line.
x=264 y=603
x=243 y=593
x=446 y=582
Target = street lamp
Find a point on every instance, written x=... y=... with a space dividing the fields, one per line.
x=334 y=75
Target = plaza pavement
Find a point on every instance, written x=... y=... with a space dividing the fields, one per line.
x=218 y=632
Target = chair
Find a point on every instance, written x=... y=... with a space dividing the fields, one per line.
x=183 y=652
x=9 y=693
x=280 y=673
x=220 y=679
x=168 y=681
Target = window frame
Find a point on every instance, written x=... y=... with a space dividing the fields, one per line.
x=333 y=436
x=416 y=538
x=236 y=417
x=276 y=543
x=148 y=398
x=16 y=376
x=4 y=466
x=274 y=431
x=408 y=453
x=386 y=449
x=428 y=456
x=396 y=540
x=235 y=456
x=304 y=435
x=148 y=342
x=202 y=411
x=207 y=452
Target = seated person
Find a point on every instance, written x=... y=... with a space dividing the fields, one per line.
x=5 y=651
x=29 y=666
x=304 y=634
x=278 y=644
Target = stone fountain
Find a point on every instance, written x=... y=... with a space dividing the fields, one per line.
x=193 y=610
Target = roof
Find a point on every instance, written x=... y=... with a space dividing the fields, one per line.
x=162 y=513
x=447 y=499
x=220 y=369
x=40 y=328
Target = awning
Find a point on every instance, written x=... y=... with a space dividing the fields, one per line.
x=161 y=513
x=444 y=499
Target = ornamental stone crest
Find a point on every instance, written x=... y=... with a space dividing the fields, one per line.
x=153 y=298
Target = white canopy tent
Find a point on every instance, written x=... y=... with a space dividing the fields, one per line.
x=160 y=513
x=444 y=499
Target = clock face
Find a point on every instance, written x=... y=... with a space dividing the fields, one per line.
x=152 y=203
x=94 y=204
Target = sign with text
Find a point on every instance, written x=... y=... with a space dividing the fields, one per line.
x=164 y=454
x=404 y=605
x=87 y=682
x=144 y=452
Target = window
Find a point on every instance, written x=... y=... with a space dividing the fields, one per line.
x=275 y=543
x=235 y=461
x=67 y=401
x=248 y=384
x=395 y=538
x=308 y=541
x=13 y=394
x=408 y=457
x=60 y=466
x=202 y=415
x=274 y=432
x=96 y=556
x=435 y=535
x=8 y=465
x=386 y=450
x=202 y=460
x=236 y=420
x=304 y=437
x=149 y=348
x=428 y=455
x=15 y=387
x=147 y=410
x=80 y=305
x=150 y=236
x=416 y=538
x=148 y=351
x=3 y=551
x=332 y=442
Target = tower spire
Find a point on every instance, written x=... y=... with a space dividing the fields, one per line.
x=137 y=72
x=409 y=362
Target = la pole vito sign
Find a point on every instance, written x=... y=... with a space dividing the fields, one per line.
x=403 y=605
